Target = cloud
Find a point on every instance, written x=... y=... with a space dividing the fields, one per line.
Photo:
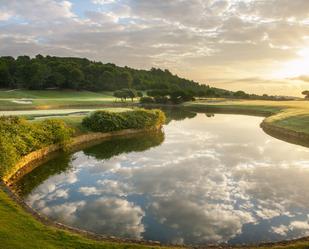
x=208 y=178
x=39 y=10
x=196 y=39
x=102 y=2
x=208 y=223
x=281 y=230
x=298 y=227
x=4 y=16
x=304 y=78
x=112 y=216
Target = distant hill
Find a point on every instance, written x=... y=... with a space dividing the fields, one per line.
x=82 y=74
x=50 y=72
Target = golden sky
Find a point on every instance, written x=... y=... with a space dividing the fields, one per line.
x=260 y=46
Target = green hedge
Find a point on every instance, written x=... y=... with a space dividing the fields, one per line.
x=19 y=137
x=104 y=121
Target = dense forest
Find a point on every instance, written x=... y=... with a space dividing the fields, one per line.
x=50 y=72
x=82 y=74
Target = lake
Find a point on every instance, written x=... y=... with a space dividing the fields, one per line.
x=204 y=179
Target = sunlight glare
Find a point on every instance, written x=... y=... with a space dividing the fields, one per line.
x=295 y=68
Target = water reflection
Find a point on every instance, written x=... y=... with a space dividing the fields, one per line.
x=177 y=114
x=212 y=180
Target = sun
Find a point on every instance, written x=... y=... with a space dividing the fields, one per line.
x=295 y=68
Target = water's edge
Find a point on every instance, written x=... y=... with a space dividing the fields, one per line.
x=32 y=160
x=27 y=163
x=35 y=159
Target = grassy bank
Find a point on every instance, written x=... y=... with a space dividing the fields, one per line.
x=290 y=115
x=20 y=230
x=19 y=137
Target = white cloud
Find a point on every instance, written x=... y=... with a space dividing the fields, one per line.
x=197 y=39
x=102 y=2
x=4 y=16
x=108 y=216
x=300 y=225
x=281 y=230
x=300 y=228
x=39 y=10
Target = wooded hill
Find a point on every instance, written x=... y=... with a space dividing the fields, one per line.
x=82 y=74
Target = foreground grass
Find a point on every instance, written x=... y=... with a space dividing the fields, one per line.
x=20 y=230
x=292 y=115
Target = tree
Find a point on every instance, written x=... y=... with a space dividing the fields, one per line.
x=241 y=94
x=82 y=74
x=122 y=95
x=306 y=93
x=158 y=93
x=39 y=75
x=131 y=93
x=125 y=93
x=180 y=96
x=126 y=79
x=5 y=77
x=55 y=80
x=140 y=94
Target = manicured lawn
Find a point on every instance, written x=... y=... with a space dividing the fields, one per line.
x=293 y=115
x=53 y=99
x=48 y=94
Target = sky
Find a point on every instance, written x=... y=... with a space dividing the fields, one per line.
x=260 y=46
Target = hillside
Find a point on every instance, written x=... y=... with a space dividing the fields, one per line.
x=82 y=74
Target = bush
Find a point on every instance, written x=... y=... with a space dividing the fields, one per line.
x=161 y=100
x=104 y=121
x=19 y=137
x=146 y=100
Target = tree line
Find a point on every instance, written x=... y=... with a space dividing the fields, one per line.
x=51 y=72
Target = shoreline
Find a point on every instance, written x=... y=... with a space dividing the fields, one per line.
x=281 y=133
x=34 y=159
x=286 y=135
x=36 y=156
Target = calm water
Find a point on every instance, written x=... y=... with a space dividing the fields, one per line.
x=215 y=179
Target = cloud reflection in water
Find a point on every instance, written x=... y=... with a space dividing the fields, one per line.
x=218 y=179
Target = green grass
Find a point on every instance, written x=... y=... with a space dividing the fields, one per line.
x=70 y=117
x=291 y=115
x=47 y=94
x=299 y=123
x=53 y=99
x=19 y=230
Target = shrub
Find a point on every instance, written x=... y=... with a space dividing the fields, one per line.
x=140 y=94
x=104 y=121
x=19 y=137
x=161 y=100
x=146 y=100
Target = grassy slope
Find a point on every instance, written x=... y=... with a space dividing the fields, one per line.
x=52 y=99
x=293 y=115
